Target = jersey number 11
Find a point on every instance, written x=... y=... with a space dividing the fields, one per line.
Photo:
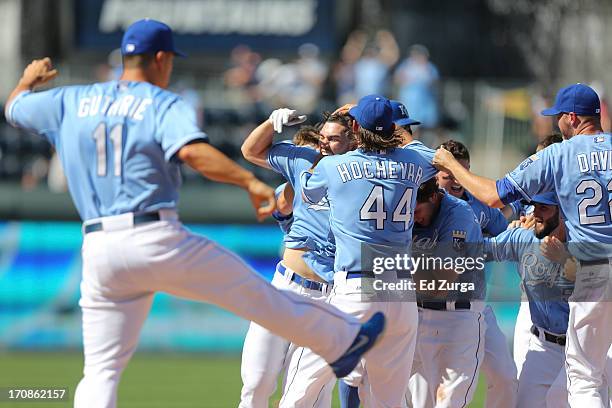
x=116 y=137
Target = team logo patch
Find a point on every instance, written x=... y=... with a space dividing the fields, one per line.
x=528 y=161
x=600 y=139
x=459 y=239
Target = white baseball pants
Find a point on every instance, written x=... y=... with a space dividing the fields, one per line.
x=450 y=350
x=498 y=366
x=543 y=362
x=265 y=355
x=522 y=336
x=589 y=336
x=557 y=396
x=124 y=265
x=385 y=370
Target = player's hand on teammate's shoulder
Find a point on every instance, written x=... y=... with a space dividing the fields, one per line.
x=262 y=197
x=285 y=117
x=38 y=72
x=525 y=221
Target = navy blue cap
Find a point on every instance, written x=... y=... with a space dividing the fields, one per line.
x=549 y=198
x=148 y=36
x=374 y=112
x=400 y=115
x=578 y=98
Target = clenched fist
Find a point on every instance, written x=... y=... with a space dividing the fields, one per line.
x=38 y=73
x=443 y=159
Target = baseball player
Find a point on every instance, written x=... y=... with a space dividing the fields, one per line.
x=548 y=285
x=306 y=268
x=348 y=388
x=372 y=194
x=498 y=364
x=522 y=210
x=450 y=341
x=579 y=171
x=120 y=143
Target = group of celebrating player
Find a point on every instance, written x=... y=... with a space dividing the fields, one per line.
x=338 y=200
x=357 y=185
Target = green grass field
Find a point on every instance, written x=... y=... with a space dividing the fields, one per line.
x=150 y=380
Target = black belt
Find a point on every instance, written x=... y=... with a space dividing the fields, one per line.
x=553 y=338
x=603 y=261
x=138 y=219
x=437 y=305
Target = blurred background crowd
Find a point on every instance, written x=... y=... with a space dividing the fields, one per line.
x=476 y=70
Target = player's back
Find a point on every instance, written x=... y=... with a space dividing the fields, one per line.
x=372 y=197
x=454 y=232
x=116 y=141
x=582 y=169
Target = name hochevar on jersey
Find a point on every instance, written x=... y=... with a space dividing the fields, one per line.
x=380 y=169
x=126 y=105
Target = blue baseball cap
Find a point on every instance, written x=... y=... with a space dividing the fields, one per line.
x=374 y=112
x=549 y=198
x=148 y=36
x=578 y=98
x=400 y=115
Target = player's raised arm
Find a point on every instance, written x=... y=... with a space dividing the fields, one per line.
x=213 y=164
x=256 y=146
x=484 y=189
x=37 y=73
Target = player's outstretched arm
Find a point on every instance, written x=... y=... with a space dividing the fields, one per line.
x=212 y=164
x=257 y=144
x=37 y=73
x=484 y=189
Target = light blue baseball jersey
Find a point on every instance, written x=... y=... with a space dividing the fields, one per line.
x=371 y=196
x=454 y=232
x=545 y=285
x=491 y=220
x=519 y=209
x=310 y=228
x=116 y=140
x=284 y=221
x=579 y=170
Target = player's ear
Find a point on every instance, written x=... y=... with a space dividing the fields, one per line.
x=574 y=120
x=160 y=58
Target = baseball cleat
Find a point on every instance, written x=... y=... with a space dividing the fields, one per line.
x=366 y=338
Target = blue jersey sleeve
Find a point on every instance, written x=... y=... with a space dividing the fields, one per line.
x=314 y=186
x=503 y=247
x=427 y=155
x=178 y=126
x=281 y=156
x=497 y=222
x=534 y=175
x=38 y=112
x=517 y=209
